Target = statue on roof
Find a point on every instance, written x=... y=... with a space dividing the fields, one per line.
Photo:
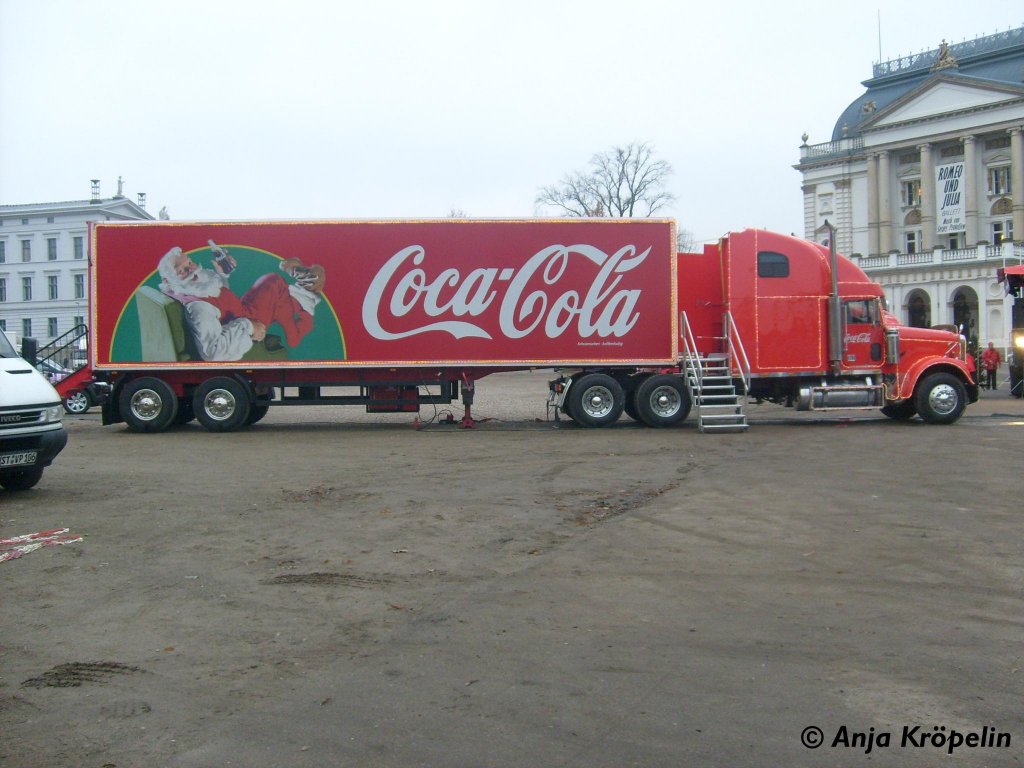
x=945 y=59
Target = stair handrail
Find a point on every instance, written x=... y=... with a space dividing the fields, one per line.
x=692 y=362
x=737 y=352
x=63 y=346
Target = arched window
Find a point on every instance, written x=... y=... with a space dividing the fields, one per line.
x=919 y=310
x=965 y=312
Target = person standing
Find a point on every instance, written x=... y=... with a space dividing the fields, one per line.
x=990 y=361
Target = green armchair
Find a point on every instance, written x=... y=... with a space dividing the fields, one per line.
x=166 y=338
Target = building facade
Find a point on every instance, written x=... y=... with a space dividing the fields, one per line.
x=923 y=180
x=44 y=261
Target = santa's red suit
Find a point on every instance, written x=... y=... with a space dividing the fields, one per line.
x=222 y=323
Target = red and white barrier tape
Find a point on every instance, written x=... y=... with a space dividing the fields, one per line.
x=16 y=546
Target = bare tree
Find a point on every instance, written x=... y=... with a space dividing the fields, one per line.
x=685 y=241
x=621 y=183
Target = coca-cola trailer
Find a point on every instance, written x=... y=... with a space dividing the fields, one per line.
x=219 y=321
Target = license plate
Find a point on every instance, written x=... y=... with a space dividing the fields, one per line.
x=17 y=459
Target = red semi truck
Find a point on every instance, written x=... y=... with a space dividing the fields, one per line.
x=219 y=321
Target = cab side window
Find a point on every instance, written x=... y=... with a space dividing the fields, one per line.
x=771 y=264
x=859 y=312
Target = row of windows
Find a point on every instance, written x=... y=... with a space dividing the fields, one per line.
x=52 y=288
x=51 y=325
x=78 y=246
x=1002 y=232
x=24 y=222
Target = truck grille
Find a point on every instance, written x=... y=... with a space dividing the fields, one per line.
x=17 y=419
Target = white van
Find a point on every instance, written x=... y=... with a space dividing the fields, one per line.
x=31 y=421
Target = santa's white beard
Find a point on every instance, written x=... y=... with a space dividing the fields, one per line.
x=203 y=283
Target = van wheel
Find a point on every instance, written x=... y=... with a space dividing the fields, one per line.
x=596 y=400
x=662 y=401
x=148 y=404
x=940 y=398
x=21 y=480
x=221 y=404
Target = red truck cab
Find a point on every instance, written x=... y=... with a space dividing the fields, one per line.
x=815 y=342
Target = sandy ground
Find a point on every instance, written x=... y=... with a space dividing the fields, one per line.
x=329 y=588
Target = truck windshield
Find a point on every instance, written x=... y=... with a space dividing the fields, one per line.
x=6 y=348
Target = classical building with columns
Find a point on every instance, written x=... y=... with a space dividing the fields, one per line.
x=924 y=182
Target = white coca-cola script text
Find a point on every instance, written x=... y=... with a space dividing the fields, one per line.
x=535 y=295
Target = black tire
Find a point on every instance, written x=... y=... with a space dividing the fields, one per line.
x=260 y=407
x=222 y=404
x=148 y=404
x=900 y=411
x=940 y=398
x=596 y=400
x=77 y=402
x=185 y=411
x=629 y=388
x=662 y=401
x=21 y=479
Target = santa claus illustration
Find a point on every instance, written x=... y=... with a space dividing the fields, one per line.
x=224 y=325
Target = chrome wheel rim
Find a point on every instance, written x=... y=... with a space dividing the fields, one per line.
x=146 y=404
x=665 y=401
x=77 y=403
x=943 y=399
x=598 y=402
x=219 y=404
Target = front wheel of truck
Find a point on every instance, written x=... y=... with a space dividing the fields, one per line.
x=940 y=398
x=148 y=404
x=22 y=479
x=901 y=411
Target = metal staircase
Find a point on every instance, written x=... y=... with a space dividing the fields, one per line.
x=718 y=382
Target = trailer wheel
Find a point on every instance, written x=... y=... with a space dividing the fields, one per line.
x=22 y=479
x=596 y=400
x=77 y=402
x=148 y=404
x=662 y=401
x=259 y=407
x=186 y=412
x=629 y=390
x=221 y=404
x=900 y=411
x=940 y=398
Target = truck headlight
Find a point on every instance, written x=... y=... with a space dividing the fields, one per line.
x=1018 y=340
x=54 y=413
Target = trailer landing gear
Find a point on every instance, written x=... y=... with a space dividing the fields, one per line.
x=467 y=389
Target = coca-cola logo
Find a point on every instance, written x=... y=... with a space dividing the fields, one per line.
x=539 y=295
x=858 y=338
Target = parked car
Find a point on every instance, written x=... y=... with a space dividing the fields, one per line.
x=52 y=371
x=81 y=400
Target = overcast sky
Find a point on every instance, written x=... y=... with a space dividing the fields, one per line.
x=388 y=108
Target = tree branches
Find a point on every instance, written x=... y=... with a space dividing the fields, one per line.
x=623 y=182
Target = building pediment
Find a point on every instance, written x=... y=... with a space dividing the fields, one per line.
x=942 y=95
